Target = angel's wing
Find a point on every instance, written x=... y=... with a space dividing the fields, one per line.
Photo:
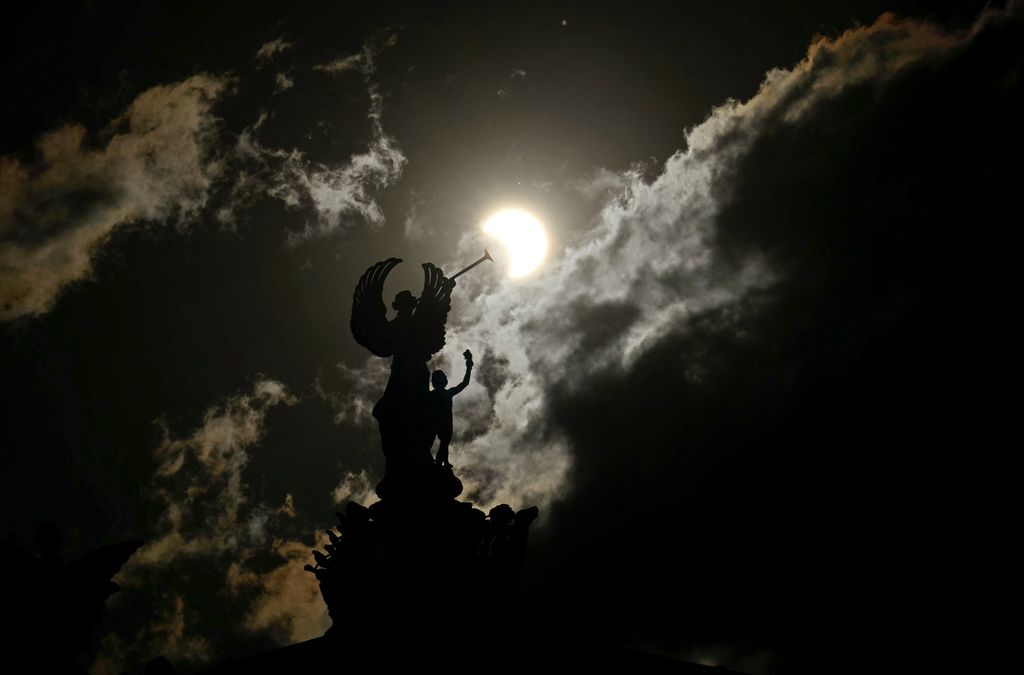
x=432 y=309
x=369 y=316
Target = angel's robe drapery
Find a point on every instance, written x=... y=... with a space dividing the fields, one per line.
x=405 y=397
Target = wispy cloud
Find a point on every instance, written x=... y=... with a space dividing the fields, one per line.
x=268 y=50
x=208 y=515
x=161 y=162
x=283 y=82
x=342 y=64
x=340 y=195
x=166 y=634
x=215 y=455
x=355 y=486
x=289 y=603
x=156 y=164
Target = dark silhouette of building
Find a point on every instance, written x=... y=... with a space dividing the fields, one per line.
x=53 y=608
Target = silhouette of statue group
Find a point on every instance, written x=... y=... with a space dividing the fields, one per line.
x=410 y=416
x=388 y=559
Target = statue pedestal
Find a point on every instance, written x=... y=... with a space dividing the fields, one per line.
x=431 y=583
x=419 y=564
x=418 y=486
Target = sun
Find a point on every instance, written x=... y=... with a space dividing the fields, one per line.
x=523 y=237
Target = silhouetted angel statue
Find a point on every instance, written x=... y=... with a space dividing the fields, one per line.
x=411 y=338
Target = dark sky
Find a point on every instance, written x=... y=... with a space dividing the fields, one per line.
x=754 y=387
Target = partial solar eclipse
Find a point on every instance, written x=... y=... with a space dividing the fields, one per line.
x=524 y=239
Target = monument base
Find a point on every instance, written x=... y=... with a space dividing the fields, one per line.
x=405 y=567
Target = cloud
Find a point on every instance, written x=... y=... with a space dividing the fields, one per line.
x=161 y=162
x=635 y=388
x=172 y=637
x=721 y=280
x=752 y=359
x=350 y=391
x=414 y=227
x=210 y=521
x=154 y=165
x=335 y=193
x=648 y=265
x=339 y=192
x=282 y=82
x=366 y=60
x=342 y=64
x=166 y=634
x=289 y=604
x=266 y=53
x=204 y=473
x=357 y=487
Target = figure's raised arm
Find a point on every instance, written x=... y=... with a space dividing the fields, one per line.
x=465 y=378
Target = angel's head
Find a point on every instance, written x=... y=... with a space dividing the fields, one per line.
x=404 y=302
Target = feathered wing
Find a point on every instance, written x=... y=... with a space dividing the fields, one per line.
x=432 y=309
x=369 y=315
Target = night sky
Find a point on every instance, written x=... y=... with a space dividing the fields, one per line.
x=756 y=387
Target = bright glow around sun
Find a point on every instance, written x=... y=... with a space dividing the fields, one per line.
x=524 y=239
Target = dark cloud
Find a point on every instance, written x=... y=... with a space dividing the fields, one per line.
x=730 y=389
x=497 y=372
x=805 y=448
x=600 y=325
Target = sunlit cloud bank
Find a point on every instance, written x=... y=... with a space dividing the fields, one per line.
x=647 y=266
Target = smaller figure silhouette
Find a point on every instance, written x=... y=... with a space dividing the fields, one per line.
x=441 y=407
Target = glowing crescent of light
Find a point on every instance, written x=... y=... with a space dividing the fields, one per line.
x=524 y=239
